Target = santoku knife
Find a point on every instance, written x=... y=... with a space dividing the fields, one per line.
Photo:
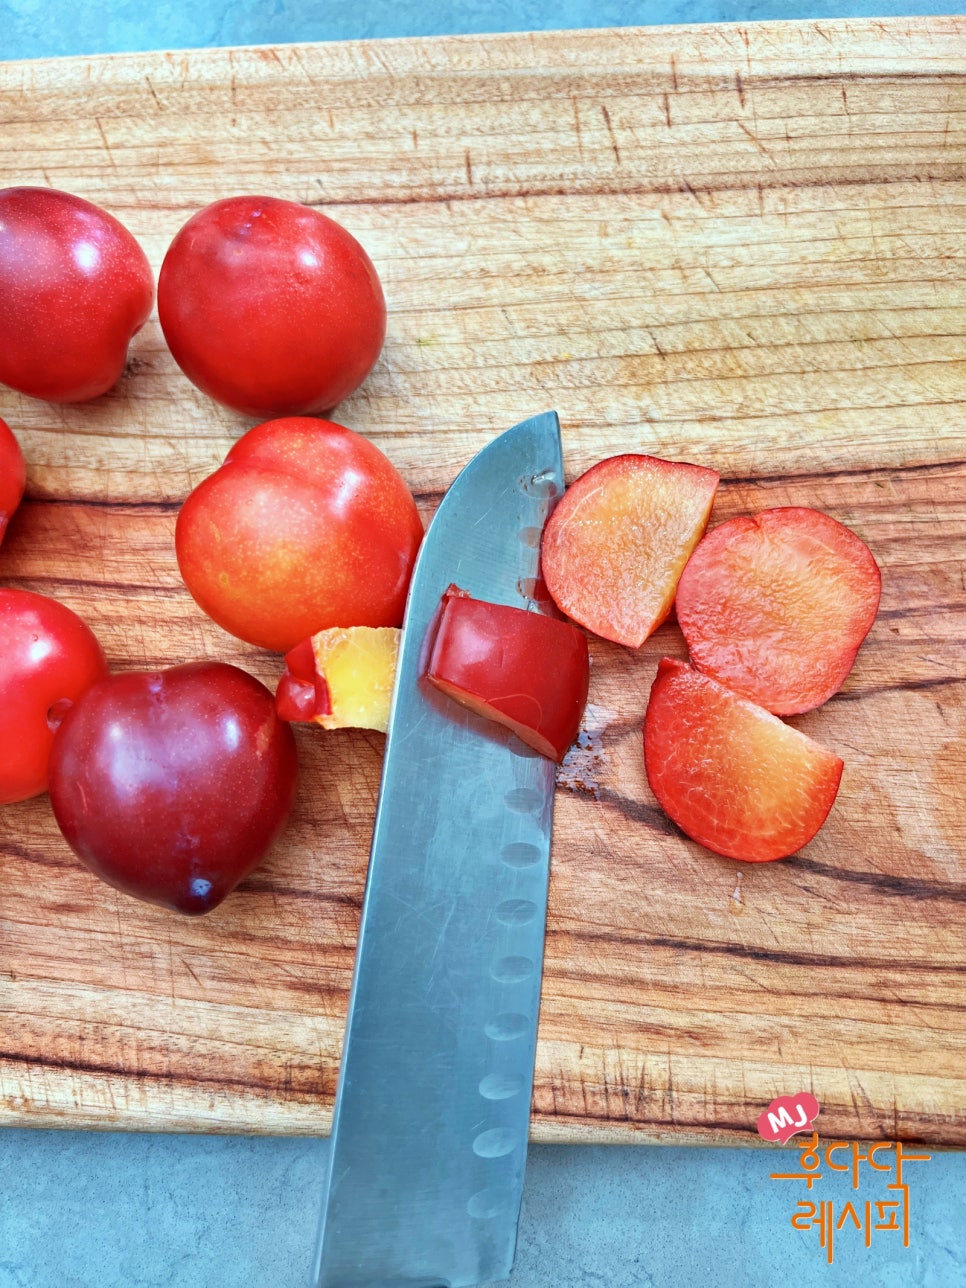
x=429 y=1135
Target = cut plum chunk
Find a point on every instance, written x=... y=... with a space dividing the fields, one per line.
x=733 y=776
x=524 y=670
x=341 y=678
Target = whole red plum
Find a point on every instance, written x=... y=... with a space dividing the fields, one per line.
x=271 y=307
x=172 y=785
x=75 y=286
x=48 y=656
x=13 y=475
x=306 y=525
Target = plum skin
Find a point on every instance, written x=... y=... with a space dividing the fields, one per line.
x=75 y=287
x=271 y=307
x=173 y=785
x=48 y=656
x=305 y=526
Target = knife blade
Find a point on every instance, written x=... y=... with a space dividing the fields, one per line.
x=432 y=1110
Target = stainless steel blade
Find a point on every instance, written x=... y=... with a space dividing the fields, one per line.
x=432 y=1112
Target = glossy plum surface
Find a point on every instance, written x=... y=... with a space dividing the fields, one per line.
x=306 y=525
x=75 y=286
x=172 y=785
x=524 y=670
x=13 y=475
x=47 y=656
x=271 y=307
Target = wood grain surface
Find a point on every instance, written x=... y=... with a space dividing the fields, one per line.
x=741 y=246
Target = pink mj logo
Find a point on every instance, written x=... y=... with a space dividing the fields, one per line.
x=787 y=1116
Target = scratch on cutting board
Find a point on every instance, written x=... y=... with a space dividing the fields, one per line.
x=610 y=131
x=738 y=904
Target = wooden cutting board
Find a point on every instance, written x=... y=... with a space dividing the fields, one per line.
x=741 y=246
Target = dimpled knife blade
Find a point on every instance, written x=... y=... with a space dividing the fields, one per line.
x=429 y=1135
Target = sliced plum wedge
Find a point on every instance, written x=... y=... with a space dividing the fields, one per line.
x=341 y=678
x=733 y=776
x=616 y=544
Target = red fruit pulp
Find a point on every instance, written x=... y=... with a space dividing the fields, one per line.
x=775 y=606
x=733 y=776
x=615 y=545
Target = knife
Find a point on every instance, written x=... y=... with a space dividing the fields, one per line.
x=432 y=1111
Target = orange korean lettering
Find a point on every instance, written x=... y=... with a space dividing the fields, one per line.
x=802 y=1219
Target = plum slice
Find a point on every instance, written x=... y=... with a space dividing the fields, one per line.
x=733 y=776
x=523 y=670
x=775 y=606
x=616 y=544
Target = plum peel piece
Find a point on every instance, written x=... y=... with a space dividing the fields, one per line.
x=526 y=671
